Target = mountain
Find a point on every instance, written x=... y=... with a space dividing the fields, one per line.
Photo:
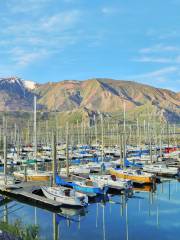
x=107 y=95
x=178 y=95
x=85 y=98
x=14 y=96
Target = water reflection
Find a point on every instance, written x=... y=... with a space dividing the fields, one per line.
x=151 y=213
x=145 y=188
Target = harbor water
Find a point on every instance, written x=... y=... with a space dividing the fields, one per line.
x=147 y=214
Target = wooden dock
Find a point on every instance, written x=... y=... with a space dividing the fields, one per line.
x=25 y=194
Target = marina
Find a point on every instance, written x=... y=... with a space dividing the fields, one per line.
x=118 y=217
x=106 y=188
x=88 y=176
x=89 y=120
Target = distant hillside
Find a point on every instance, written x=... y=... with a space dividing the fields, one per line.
x=178 y=95
x=107 y=95
x=90 y=97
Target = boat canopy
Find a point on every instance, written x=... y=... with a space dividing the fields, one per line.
x=62 y=182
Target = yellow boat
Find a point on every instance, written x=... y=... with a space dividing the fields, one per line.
x=33 y=175
x=134 y=175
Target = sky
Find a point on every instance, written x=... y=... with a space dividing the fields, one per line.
x=54 y=40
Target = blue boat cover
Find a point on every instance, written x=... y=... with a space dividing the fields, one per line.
x=62 y=182
x=131 y=164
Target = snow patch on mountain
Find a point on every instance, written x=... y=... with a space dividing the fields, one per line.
x=14 y=81
x=10 y=80
x=29 y=84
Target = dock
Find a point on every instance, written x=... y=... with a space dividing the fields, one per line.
x=25 y=194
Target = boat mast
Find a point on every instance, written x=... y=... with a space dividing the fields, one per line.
x=102 y=139
x=150 y=145
x=95 y=125
x=5 y=149
x=161 y=132
x=77 y=126
x=35 y=132
x=121 y=149
x=54 y=154
x=124 y=134
x=67 y=150
x=18 y=143
x=124 y=116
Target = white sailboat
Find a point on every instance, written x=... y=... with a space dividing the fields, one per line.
x=112 y=182
x=84 y=170
x=161 y=169
x=65 y=196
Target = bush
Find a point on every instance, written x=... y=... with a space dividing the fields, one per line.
x=21 y=231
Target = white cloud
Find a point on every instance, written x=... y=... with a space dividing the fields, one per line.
x=160 y=48
x=163 y=35
x=21 y=6
x=159 y=53
x=162 y=75
x=158 y=73
x=109 y=10
x=33 y=6
x=22 y=58
x=33 y=40
x=147 y=59
x=27 y=6
x=27 y=39
x=60 y=21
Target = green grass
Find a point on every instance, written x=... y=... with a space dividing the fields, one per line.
x=17 y=229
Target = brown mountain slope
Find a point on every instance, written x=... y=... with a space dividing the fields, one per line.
x=178 y=95
x=61 y=96
x=92 y=96
x=104 y=95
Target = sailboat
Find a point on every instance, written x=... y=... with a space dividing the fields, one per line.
x=85 y=186
x=90 y=188
x=112 y=182
x=161 y=169
x=65 y=196
x=136 y=176
x=32 y=175
x=77 y=170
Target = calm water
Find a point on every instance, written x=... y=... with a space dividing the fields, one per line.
x=145 y=215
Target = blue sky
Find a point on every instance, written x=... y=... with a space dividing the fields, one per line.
x=53 y=40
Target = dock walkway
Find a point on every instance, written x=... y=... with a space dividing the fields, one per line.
x=25 y=194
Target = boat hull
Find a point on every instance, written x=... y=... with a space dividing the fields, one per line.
x=162 y=173
x=133 y=178
x=30 y=178
x=63 y=200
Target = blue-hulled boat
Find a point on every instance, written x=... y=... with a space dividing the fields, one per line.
x=88 y=187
